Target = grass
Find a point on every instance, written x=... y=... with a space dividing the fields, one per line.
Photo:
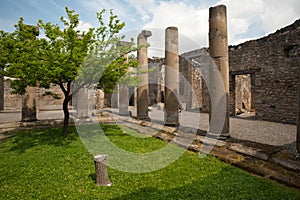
x=41 y=164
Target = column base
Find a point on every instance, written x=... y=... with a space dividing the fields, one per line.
x=223 y=136
x=172 y=121
x=171 y=124
x=123 y=111
x=144 y=118
x=28 y=120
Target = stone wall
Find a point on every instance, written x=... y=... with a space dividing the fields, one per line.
x=272 y=63
x=15 y=101
x=44 y=99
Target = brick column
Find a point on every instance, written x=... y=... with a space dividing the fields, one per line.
x=171 y=77
x=142 y=90
x=218 y=50
x=29 y=105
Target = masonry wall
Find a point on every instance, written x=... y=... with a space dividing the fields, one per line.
x=273 y=63
x=15 y=101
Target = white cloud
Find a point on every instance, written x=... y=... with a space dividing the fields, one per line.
x=278 y=13
x=247 y=19
x=84 y=26
x=144 y=8
x=240 y=15
x=192 y=23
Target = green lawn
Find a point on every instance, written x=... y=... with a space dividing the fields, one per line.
x=42 y=164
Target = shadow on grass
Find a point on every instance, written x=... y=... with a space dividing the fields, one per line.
x=92 y=176
x=24 y=140
x=222 y=185
x=95 y=130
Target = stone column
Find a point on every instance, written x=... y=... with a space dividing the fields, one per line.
x=82 y=103
x=171 y=77
x=123 y=99
x=188 y=87
x=29 y=98
x=123 y=88
x=1 y=89
x=142 y=90
x=296 y=62
x=29 y=105
x=218 y=50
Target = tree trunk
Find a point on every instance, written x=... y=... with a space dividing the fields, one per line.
x=66 y=116
x=101 y=171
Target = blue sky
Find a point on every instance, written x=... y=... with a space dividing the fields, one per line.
x=247 y=19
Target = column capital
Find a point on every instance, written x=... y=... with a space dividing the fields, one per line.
x=144 y=34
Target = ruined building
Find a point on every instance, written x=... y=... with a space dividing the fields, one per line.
x=263 y=78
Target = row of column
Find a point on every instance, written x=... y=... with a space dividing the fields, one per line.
x=218 y=49
x=171 y=79
x=219 y=87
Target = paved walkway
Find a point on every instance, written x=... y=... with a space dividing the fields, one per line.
x=242 y=128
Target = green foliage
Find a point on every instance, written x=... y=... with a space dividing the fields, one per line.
x=5 y=48
x=120 y=71
x=63 y=51
x=43 y=164
x=22 y=49
x=65 y=56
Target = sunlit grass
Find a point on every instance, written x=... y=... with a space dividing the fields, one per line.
x=42 y=164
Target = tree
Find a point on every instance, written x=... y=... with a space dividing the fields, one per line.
x=4 y=60
x=21 y=49
x=66 y=57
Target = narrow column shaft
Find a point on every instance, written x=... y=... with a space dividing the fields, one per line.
x=296 y=62
x=29 y=104
x=218 y=50
x=82 y=103
x=171 y=77
x=142 y=90
x=123 y=99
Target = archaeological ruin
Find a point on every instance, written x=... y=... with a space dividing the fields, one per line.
x=262 y=78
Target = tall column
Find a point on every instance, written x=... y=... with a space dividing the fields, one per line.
x=29 y=98
x=296 y=62
x=123 y=99
x=171 y=77
x=218 y=50
x=298 y=117
x=123 y=88
x=29 y=104
x=188 y=87
x=142 y=90
x=1 y=89
x=82 y=103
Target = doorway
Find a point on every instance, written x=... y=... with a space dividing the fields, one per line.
x=244 y=95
